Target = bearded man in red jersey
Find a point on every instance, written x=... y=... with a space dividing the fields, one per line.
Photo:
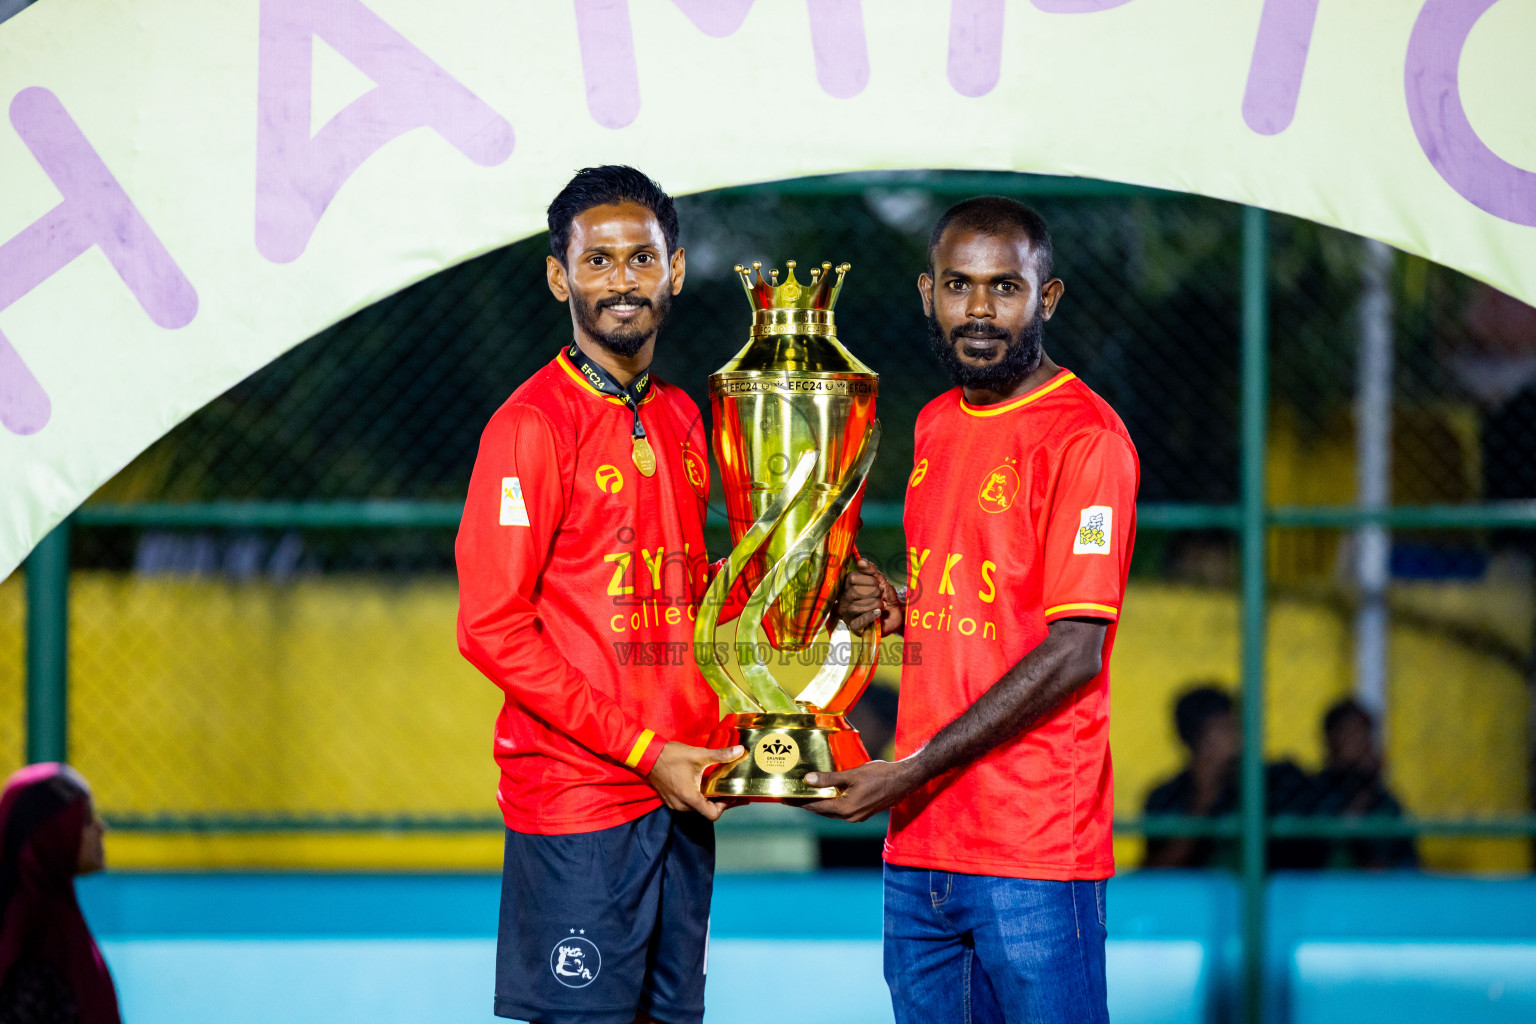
x=1020 y=516
x=581 y=563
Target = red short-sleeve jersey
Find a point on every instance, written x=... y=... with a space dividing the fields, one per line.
x=579 y=580
x=1017 y=514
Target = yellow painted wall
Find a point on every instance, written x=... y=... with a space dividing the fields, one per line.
x=326 y=696
x=1456 y=732
x=12 y=670
x=1457 y=706
x=308 y=851
x=349 y=696
x=1436 y=458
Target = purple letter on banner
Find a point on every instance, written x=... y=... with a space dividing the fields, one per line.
x=976 y=38
x=1482 y=177
x=1077 y=6
x=95 y=212
x=608 y=61
x=975 y=45
x=1279 y=58
x=607 y=42
x=298 y=176
x=717 y=18
x=837 y=40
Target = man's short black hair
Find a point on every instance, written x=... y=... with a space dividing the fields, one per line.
x=996 y=215
x=605 y=186
x=1342 y=711
x=1196 y=707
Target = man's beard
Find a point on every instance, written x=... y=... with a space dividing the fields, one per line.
x=1020 y=358
x=628 y=339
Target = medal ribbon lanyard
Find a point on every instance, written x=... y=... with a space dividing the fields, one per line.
x=631 y=396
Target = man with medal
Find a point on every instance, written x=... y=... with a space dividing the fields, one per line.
x=581 y=563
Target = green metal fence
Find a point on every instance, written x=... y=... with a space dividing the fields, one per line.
x=1194 y=500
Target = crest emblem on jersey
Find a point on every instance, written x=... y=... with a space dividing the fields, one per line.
x=918 y=472
x=514 y=509
x=1093 y=531
x=998 y=489
x=575 y=961
x=609 y=479
x=697 y=469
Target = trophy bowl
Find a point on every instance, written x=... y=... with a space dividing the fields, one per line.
x=795 y=435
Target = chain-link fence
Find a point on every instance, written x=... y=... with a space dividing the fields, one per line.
x=261 y=605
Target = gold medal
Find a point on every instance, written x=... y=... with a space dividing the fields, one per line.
x=645 y=458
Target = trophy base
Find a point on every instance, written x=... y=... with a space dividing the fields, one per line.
x=781 y=749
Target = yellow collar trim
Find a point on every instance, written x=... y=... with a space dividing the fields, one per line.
x=1040 y=392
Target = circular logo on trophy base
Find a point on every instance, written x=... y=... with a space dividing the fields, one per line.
x=776 y=753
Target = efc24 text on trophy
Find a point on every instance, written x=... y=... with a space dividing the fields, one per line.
x=795 y=434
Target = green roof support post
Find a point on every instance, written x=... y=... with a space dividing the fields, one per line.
x=1254 y=417
x=47 y=647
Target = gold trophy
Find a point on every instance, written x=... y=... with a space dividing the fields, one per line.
x=795 y=434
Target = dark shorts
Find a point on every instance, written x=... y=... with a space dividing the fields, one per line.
x=601 y=927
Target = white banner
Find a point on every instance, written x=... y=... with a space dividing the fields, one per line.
x=187 y=190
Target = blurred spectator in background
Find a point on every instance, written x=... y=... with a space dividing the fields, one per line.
x=1208 y=788
x=50 y=969
x=1350 y=785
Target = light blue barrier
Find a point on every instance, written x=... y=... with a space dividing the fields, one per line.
x=1466 y=982
x=250 y=949
x=302 y=980
x=1172 y=952
x=1343 y=949
x=1401 y=947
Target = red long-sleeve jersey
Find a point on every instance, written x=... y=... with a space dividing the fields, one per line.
x=579 y=580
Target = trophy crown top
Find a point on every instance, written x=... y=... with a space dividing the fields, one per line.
x=768 y=293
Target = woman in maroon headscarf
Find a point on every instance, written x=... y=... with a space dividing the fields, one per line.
x=50 y=969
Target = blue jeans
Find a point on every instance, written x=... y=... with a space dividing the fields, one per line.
x=976 y=949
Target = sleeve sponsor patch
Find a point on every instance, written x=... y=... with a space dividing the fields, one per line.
x=514 y=510
x=1094 y=531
